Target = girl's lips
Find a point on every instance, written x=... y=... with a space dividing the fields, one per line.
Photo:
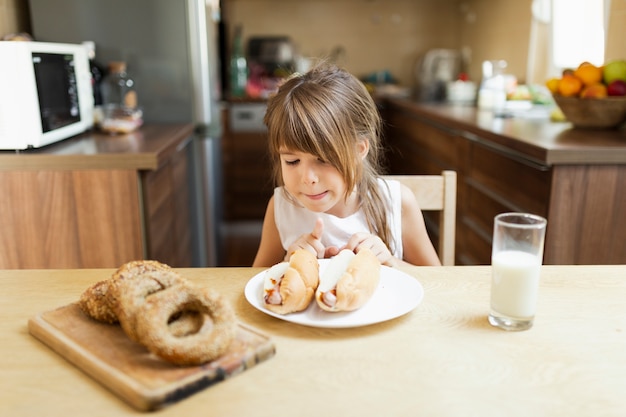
x=316 y=196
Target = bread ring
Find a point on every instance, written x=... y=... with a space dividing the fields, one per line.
x=132 y=293
x=210 y=342
x=130 y=271
x=186 y=323
x=133 y=268
x=164 y=312
x=93 y=302
x=99 y=302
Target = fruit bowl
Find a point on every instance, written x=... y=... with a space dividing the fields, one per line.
x=593 y=113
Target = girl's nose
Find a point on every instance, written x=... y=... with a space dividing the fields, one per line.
x=309 y=175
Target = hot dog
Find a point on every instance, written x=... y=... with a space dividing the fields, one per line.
x=289 y=287
x=349 y=281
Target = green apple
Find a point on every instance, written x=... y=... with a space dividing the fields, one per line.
x=614 y=70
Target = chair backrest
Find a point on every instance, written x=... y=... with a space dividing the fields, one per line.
x=436 y=193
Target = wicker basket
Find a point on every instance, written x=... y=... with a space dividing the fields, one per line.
x=592 y=113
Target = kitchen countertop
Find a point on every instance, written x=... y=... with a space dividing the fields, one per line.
x=539 y=140
x=441 y=359
x=143 y=149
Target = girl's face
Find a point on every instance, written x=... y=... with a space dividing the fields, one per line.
x=316 y=184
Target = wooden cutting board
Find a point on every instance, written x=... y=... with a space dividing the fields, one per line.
x=146 y=382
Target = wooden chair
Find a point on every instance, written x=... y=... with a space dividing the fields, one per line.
x=436 y=193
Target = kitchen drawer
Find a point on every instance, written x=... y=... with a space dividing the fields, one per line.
x=473 y=247
x=475 y=225
x=494 y=183
x=481 y=207
x=408 y=158
x=437 y=143
x=514 y=184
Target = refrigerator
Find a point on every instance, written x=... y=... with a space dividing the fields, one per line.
x=171 y=50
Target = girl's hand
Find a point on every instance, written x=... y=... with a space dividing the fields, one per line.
x=375 y=244
x=313 y=243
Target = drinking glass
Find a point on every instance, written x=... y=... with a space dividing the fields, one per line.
x=516 y=259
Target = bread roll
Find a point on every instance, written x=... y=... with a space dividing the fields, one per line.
x=289 y=287
x=349 y=281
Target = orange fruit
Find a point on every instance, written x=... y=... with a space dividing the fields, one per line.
x=588 y=73
x=597 y=90
x=570 y=85
x=553 y=85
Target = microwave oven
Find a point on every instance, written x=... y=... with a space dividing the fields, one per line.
x=45 y=93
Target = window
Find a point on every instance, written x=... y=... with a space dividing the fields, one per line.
x=577 y=32
x=565 y=33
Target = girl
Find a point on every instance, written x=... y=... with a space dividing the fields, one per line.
x=324 y=143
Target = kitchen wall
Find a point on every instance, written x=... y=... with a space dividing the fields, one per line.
x=13 y=17
x=374 y=35
x=392 y=34
x=370 y=35
x=497 y=29
x=616 y=38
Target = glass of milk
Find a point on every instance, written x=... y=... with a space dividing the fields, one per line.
x=516 y=259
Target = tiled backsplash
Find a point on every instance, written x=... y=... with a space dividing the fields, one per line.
x=393 y=34
x=376 y=35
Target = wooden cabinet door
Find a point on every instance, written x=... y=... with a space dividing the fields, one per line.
x=494 y=183
x=416 y=147
x=587 y=219
x=247 y=174
x=167 y=212
x=69 y=219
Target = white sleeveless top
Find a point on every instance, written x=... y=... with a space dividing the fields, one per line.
x=293 y=220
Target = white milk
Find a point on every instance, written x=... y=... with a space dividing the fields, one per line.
x=515 y=282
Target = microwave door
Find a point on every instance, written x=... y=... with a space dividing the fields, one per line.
x=57 y=92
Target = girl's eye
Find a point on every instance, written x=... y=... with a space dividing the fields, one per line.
x=292 y=161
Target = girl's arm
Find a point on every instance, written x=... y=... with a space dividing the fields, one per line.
x=417 y=247
x=270 y=250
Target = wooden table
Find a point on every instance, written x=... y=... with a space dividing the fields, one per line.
x=442 y=359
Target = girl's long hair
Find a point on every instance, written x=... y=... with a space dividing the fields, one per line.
x=327 y=112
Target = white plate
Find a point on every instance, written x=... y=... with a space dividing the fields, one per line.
x=396 y=295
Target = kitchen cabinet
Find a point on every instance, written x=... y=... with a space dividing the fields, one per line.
x=98 y=201
x=248 y=183
x=575 y=178
x=166 y=200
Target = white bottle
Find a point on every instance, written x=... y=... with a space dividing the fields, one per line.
x=492 y=93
